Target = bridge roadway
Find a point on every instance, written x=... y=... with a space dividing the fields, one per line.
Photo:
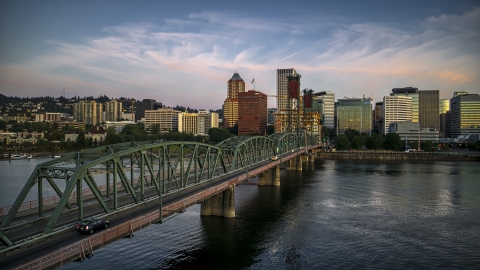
x=36 y=245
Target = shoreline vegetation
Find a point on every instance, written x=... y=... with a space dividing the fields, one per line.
x=394 y=155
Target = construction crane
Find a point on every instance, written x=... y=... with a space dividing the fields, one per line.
x=133 y=105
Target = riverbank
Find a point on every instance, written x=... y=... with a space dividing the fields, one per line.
x=391 y=155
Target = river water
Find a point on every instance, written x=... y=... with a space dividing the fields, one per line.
x=339 y=215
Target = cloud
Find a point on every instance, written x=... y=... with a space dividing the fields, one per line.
x=189 y=61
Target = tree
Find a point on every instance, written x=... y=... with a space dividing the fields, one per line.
x=374 y=142
x=392 y=142
x=88 y=142
x=427 y=146
x=234 y=130
x=270 y=129
x=328 y=132
x=80 y=141
x=351 y=133
x=68 y=144
x=112 y=137
x=342 y=143
x=218 y=134
x=154 y=129
x=477 y=146
x=357 y=142
x=57 y=135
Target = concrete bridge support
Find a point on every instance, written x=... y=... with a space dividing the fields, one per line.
x=270 y=177
x=222 y=204
x=295 y=164
x=299 y=163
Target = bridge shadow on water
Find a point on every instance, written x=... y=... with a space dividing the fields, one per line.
x=237 y=243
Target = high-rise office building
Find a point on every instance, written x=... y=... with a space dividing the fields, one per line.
x=354 y=113
x=236 y=85
x=428 y=107
x=396 y=109
x=328 y=99
x=252 y=113
x=410 y=92
x=464 y=114
x=444 y=106
x=89 y=112
x=206 y=120
x=188 y=123
x=166 y=118
x=271 y=116
x=113 y=110
x=144 y=105
x=378 y=117
x=282 y=87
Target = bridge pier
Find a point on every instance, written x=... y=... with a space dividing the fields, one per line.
x=295 y=164
x=308 y=158
x=221 y=205
x=270 y=177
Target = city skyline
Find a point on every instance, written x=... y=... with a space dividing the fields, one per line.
x=184 y=54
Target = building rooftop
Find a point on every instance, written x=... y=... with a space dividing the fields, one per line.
x=236 y=77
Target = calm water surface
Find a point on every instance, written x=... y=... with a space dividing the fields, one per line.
x=339 y=215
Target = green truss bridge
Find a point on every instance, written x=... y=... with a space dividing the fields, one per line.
x=159 y=178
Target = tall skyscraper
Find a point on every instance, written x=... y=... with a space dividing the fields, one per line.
x=328 y=98
x=378 y=117
x=236 y=85
x=396 y=109
x=464 y=114
x=410 y=92
x=428 y=106
x=443 y=108
x=252 y=113
x=89 y=112
x=444 y=105
x=271 y=115
x=282 y=87
x=113 y=110
x=206 y=120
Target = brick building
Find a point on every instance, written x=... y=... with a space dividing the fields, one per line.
x=252 y=113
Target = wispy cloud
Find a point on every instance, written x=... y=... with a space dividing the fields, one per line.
x=189 y=61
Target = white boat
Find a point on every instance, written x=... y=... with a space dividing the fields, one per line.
x=17 y=157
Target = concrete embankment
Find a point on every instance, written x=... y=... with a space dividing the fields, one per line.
x=389 y=155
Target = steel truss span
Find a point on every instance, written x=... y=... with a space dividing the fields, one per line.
x=135 y=171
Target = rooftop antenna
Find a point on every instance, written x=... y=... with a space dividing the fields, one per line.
x=63 y=91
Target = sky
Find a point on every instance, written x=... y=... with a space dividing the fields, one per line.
x=184 y=52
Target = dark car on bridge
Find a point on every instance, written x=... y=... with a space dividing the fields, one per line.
x=90 y=225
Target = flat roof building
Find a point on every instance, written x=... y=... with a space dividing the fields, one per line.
x=166 y=118
x=464 y=114
x=354 y=113
x=252 y=113
x=396 y=109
